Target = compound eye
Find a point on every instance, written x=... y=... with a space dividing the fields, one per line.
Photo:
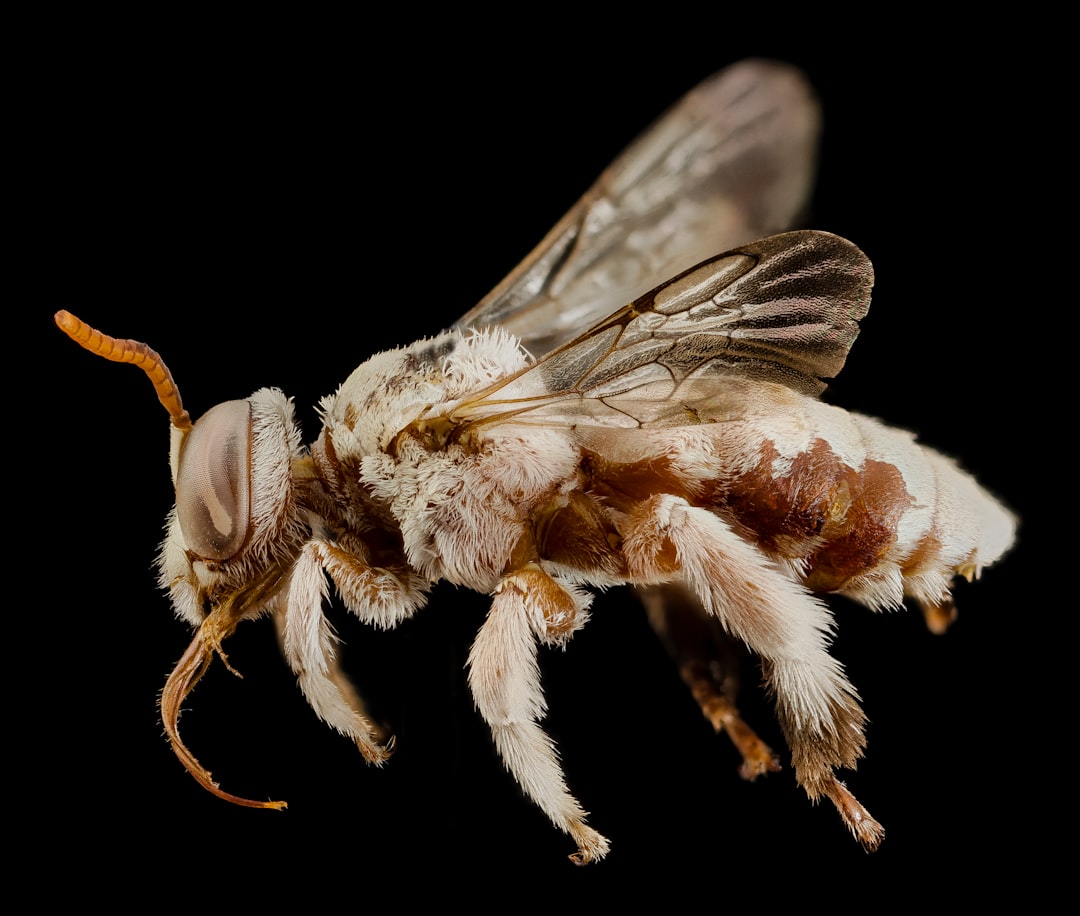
x=213 y=482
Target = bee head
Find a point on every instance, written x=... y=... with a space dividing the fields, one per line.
x=235 y=529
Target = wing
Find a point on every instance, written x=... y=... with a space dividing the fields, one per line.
x=784 y=309
x=733 y=161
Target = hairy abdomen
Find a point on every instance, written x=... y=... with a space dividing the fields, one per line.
x=848 y=504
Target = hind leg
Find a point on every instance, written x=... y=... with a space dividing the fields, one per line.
x=778 y=619
x=709 y=665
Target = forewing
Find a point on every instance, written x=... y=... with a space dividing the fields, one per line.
x=783 y=309
x=733 y=161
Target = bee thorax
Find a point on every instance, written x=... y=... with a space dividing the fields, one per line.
x=391 y=454
x=463 y=509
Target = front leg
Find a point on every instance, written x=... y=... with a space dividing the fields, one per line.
x=378 y=596
x=504 y=677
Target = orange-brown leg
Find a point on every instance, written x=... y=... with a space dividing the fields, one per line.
x=709 y=665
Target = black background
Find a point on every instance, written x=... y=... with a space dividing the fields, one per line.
x=268 y=205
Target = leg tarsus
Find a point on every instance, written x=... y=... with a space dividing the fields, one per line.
x=709 y=665
x=592 y=846
x=858 y=820
x=757 y=757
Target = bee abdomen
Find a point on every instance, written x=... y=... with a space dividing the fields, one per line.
x=898 y=520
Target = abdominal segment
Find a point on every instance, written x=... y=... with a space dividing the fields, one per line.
x=845 y=503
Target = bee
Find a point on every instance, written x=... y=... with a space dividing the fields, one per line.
x=557 y=440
